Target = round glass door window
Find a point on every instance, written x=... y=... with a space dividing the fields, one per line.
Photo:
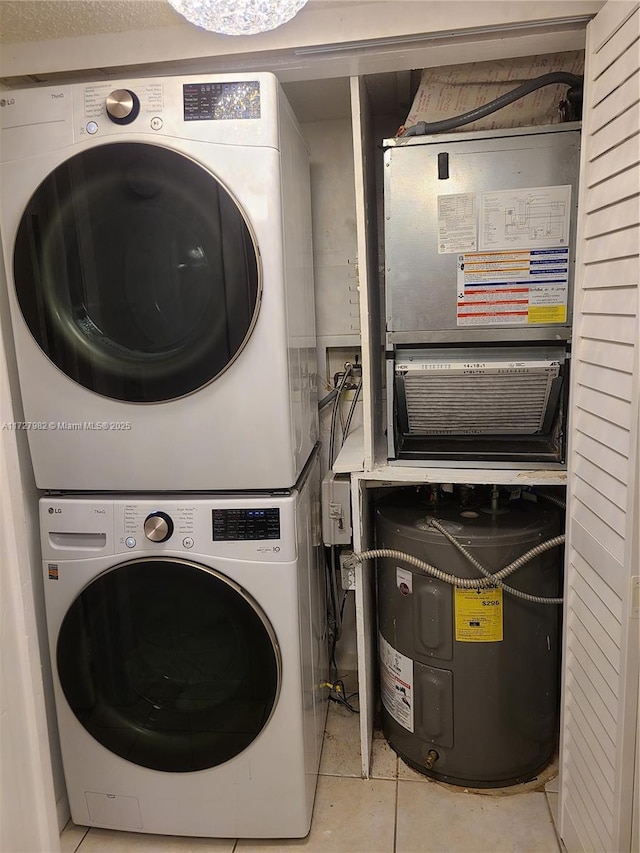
x=169 y=665
x=137 y=272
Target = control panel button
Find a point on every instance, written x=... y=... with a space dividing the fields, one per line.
x=91 y=127
x=158 y=527
x=187 y=542
x=156 y=123
x=130 y=542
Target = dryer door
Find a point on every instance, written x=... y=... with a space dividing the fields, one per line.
x=137 y=272
x=169 y=664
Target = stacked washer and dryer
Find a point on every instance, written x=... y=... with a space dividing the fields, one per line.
x=157 y=240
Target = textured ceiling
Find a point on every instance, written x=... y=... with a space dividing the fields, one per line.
x=39 y=20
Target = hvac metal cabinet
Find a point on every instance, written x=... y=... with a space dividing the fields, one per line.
x=600 y=670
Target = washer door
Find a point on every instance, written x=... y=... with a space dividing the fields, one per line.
x=169 y=664
x=136 y=272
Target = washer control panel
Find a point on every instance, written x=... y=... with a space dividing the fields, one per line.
x=260 y=527
x=243 y=525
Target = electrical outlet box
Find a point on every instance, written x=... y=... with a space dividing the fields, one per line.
x=347 y=571
x=336 y=509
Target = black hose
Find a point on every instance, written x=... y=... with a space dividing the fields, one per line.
x=575 y=94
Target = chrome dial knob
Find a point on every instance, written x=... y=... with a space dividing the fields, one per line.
x=158 y=527
x=122 y=106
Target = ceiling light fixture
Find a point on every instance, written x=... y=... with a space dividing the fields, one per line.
x=238 y=17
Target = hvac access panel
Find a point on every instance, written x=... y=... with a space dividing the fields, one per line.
x=480 y=235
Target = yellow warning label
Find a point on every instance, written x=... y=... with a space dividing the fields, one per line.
x=478 y=615
x=547 y=314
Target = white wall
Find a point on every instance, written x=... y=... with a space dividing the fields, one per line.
x=27 y=725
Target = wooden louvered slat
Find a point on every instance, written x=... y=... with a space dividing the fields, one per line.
x=593 y=672
x=607 y=644
x=593 y=702
x=614 y=30
x=589 y=756
x=610 y=136
x=611 y=302
x=613 y=354
x=621 y=272
x=612 y=540
x=602 y=819
x=612 y=489
x=606 y=37
x=595 y=554
x=591 y=577
x=622 y=214
x=626 y=330
x=615 y=104
x=622 y=186
x=622 y=68
x=584 y=830
x=599 y=742
x=595 y=799
x=592 y=375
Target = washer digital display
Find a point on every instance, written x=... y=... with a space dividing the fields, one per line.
x=233 y=525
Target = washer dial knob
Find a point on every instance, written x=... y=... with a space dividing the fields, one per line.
x=122 y=106
x=158 y=527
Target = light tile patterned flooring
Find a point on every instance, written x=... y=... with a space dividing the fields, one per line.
x=396 y=811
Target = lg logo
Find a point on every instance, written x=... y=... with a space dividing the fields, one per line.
x=55 y=510
x=7 y=102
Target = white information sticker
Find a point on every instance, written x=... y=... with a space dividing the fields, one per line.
x=404 y=581
x=525 y=219
x=396 y=683
x=457 y=223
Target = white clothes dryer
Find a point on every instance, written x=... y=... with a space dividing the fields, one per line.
x=157 y=238
x=189 y=650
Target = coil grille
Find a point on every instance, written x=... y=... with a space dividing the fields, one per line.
x=477 y=403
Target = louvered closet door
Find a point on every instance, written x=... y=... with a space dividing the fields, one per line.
x=600 y=685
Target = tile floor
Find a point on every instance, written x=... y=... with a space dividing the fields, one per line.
x=396 y=811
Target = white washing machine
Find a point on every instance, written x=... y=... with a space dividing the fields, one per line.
x=189 y=650
x=157 y=238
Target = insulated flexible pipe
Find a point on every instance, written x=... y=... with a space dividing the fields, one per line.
x=348 y=369
x=497 y=577
x=573 y=80
x=468 y=583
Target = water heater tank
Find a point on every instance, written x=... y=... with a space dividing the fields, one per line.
x=469 y=680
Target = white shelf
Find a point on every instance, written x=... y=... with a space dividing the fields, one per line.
x=396 y=473
x=350 y=460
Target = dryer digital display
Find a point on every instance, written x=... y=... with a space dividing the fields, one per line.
x=245 y=524
x=219 y=101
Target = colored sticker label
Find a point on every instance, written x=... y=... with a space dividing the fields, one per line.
x=516 y=288
x=53 y=571
x=396 y=684
x=478 y=615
